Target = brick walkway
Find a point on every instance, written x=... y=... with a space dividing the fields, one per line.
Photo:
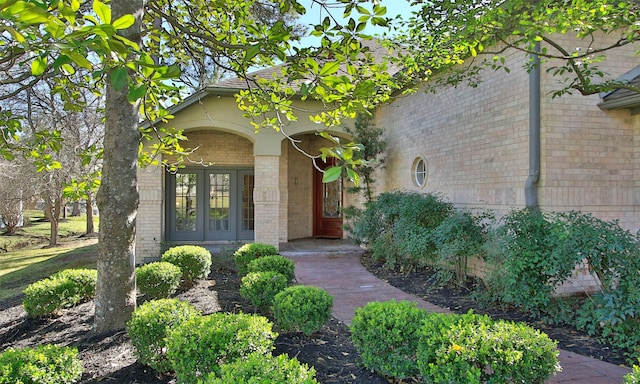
x=334 y=265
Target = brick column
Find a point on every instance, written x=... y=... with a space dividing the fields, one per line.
x=266 y=199
x=149 y=222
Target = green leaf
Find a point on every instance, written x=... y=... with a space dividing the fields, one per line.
x=38 y=66
x=27 y=13
x=124 y=22
x=119 y=78
x=79 y=59
x=103 y=11
x=136 y=93
x=329 y=68
x=331 y=174
x=252 y=52
x=364 y=89
x=353 y=176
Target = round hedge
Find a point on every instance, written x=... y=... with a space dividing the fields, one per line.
x=384 y=335
x=158 y=280
x=275 y=263
x=149 y=325
x=193 y=261
x=302 y=308
x=198 y=346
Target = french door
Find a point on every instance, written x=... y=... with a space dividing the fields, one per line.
x=210 y=204
x=327 y=205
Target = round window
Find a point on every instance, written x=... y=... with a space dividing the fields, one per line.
x=420 y=172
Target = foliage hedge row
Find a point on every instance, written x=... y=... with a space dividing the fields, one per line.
x=170 y=335
x=44 y=364
x=64 y=289
x=529 y=253
x=398 y=340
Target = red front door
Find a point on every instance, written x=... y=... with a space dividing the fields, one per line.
x=327 y=205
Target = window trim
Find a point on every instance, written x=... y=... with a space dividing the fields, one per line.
x=420 y=172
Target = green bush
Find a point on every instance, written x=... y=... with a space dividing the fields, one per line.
x=613 y=255
x=198 y=346
x=44 y=364
x=632 y=377
x=384 y=335
x=530 y=261
x=275 y=263
x=487 y=352
x=248 y=252
x=64 y=289
x=398 y=228
x=261 y=287
x=193 y=261
x=149 y=325
x=433 y=334
x=457 y=238
x=158 y=280
x=258 y=368
x=302 y=308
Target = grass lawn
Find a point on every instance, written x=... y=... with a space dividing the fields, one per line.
x=32 y=260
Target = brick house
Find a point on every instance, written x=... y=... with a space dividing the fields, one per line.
x=477 y=146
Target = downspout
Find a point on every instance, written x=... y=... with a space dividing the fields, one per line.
x=531 y=185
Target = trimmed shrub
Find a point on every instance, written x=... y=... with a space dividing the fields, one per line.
x=248 y=252
x=193 y=261
x=200 y=345
x=528 y=264
x=433 y=334
x=149 y=325
x=275 y=263
x=384 y=335
x=398 y=228
x=458 y=238
x=482 y=351
x=158 y=280
x=258 y=368
x=632 y=377
x=302 y=308
x=44 y=364
x=261 y=287
x=64 y=289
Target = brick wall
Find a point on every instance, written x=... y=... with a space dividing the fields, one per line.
x=219 y=148
x=590 y=156
x=474 y=140
x=475 y=143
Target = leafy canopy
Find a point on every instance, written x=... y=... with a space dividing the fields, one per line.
x=456 y=39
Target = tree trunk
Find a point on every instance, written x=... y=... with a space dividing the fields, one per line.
x=52 y=213
x=117 y=197
x=90 y=228
x=75 y=212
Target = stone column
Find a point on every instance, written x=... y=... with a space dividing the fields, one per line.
x=266 y=199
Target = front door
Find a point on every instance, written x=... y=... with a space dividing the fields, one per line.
x=327 y=205
x=210 y=204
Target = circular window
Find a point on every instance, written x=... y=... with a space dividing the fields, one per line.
x=420 y=172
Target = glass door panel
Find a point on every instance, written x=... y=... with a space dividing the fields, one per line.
x=219 y=201
x=247 y=202
x=185 y=205
x=332 y=198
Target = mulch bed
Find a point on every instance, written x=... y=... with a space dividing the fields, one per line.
x=110 y=358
